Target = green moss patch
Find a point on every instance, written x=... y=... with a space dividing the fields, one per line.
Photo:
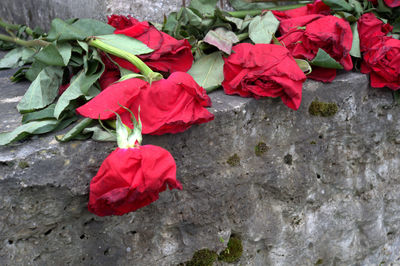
x=23 y=164
x=234 y=160
x=203 y=257
x=261 y=148
x=233 y=252
x=318 y=108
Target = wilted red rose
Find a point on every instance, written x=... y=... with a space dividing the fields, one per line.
x=382 y=62
x=263 y=70
x=169 y=54
x=167 y=106
x=314 y=32
x=130 y=179
x=390 y=3
x=318 y=7
x=369 y=27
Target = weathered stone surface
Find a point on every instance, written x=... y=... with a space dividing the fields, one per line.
x=323 y=190
x=41 y=12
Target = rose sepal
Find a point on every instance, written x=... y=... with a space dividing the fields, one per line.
x=127 y=137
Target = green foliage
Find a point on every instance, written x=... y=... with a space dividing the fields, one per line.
x=32 y=128
x=207 y=71
x=75 y=132
x=77 y=29
x=233 y=252
x=355 y=47
x=203 y=257
x=221 y=38
x=125 y=43
x=318 y=108
x=262 y=28
x=204 y=6
x=323 y=59
x=45 y=113
x=17 y=57
x=244 y=5
x=42 y=91
x=55 y=54
x=81 y=86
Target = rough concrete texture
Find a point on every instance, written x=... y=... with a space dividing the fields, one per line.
x=322 y=190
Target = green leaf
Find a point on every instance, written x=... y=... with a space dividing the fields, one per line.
x=171 y=24
x=12 y=58
x=358 y=9
x=78 y=30
x=21 y=132
x=55 y=55
x=45 y=113
x=339 y=5
x=125 y=43
x=204 y=6
x=237 y=21
x=19 y=75
x=42 y=91
x=65 y=50
x=75 y=131
x=34 y=70
x=79 y=87
x=221 y=38
x=383 y=8
x=186 y=16
x=99 y=134
x=262 y=28
x=304 y=66
x=355 y=47
x=243 y=5
x=208 y=71
x=323 y=59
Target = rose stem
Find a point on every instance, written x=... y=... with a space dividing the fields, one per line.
x=244 y=13
x=21 y=42
x=243 y=36
x=15 y=27
x=144 y=69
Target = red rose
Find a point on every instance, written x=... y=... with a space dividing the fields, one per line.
x=329 y=33
x=169 y=54
x=130 y=179
x=167 y=106
x=382 y=61
x=370 y=27
x=318 y=7
x=390 y=3
x=263 y=70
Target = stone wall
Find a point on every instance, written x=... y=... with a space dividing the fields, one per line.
x=296 y=188
x=41 y=12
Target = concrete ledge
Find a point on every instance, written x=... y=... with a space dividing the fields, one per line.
x=318 y=190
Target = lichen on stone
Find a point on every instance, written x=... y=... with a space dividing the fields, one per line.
x=234 y=160
x=261 y=148
x=324 y=109
x=233 y=252
x=203 y=257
